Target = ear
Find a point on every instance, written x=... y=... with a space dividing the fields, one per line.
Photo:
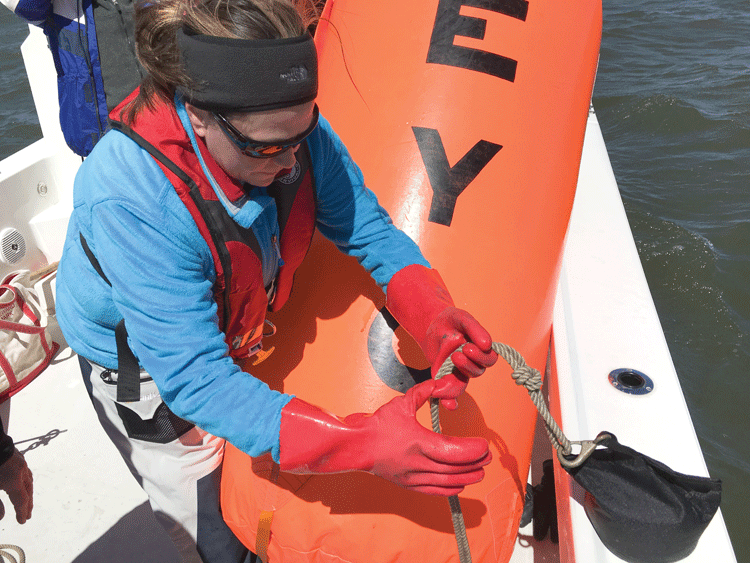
x=198 y=118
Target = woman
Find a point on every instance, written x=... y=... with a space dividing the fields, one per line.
x=189 y=222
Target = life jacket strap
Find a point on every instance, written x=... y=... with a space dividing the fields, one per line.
x=128 y=370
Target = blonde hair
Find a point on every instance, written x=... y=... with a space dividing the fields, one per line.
x=157 y=22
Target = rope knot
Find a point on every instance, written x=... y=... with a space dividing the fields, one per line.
x=531 y=379
x=528 y=377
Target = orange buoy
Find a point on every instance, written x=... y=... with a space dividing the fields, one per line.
x=467 y=118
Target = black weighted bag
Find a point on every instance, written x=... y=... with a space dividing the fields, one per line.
x=643 y=511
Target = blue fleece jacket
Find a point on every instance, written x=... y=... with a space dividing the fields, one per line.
x=162 y=273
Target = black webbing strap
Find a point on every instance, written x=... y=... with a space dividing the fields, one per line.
x=128 y=370
x=92 y=258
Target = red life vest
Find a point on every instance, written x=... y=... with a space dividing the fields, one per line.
x=241 y=298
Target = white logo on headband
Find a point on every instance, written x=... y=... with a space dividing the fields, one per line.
x=294 y=74
x=292 y=176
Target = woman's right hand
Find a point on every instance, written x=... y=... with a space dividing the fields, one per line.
x=389 y=443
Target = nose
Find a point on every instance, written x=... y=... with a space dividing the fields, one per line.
x=287 y=158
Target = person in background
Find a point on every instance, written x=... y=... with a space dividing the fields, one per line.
x=94 y=54
x=190 y=218
x=15 y=479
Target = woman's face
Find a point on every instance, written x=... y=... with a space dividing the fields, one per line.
x=274 y=126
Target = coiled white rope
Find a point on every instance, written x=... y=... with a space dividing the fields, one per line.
x=6 y=557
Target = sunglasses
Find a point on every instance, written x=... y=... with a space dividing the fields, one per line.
x=257 y=149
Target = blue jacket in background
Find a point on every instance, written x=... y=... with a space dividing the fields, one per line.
x=93 y=76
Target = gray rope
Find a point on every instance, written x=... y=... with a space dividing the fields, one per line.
x=527 y=377
x=531 y=379
x=459 y=526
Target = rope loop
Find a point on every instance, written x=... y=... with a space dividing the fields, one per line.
x=531 y=379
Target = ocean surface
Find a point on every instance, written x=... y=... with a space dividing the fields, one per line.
x=673 y=100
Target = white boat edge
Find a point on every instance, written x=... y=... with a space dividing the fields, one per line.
x=87 y=506
x=605 y=319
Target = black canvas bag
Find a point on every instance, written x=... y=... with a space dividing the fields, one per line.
x=643 y=511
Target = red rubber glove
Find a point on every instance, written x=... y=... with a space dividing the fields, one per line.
x=420 y=302
x=389 y=443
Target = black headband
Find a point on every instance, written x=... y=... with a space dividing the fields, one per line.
x=248 y=75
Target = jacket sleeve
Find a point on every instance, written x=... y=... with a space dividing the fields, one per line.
x=33 y=11
x=162 y=275
x=349 y=213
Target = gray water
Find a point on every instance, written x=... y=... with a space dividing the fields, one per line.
x=673 y=100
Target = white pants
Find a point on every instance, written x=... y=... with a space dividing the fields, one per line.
x=177 y=464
